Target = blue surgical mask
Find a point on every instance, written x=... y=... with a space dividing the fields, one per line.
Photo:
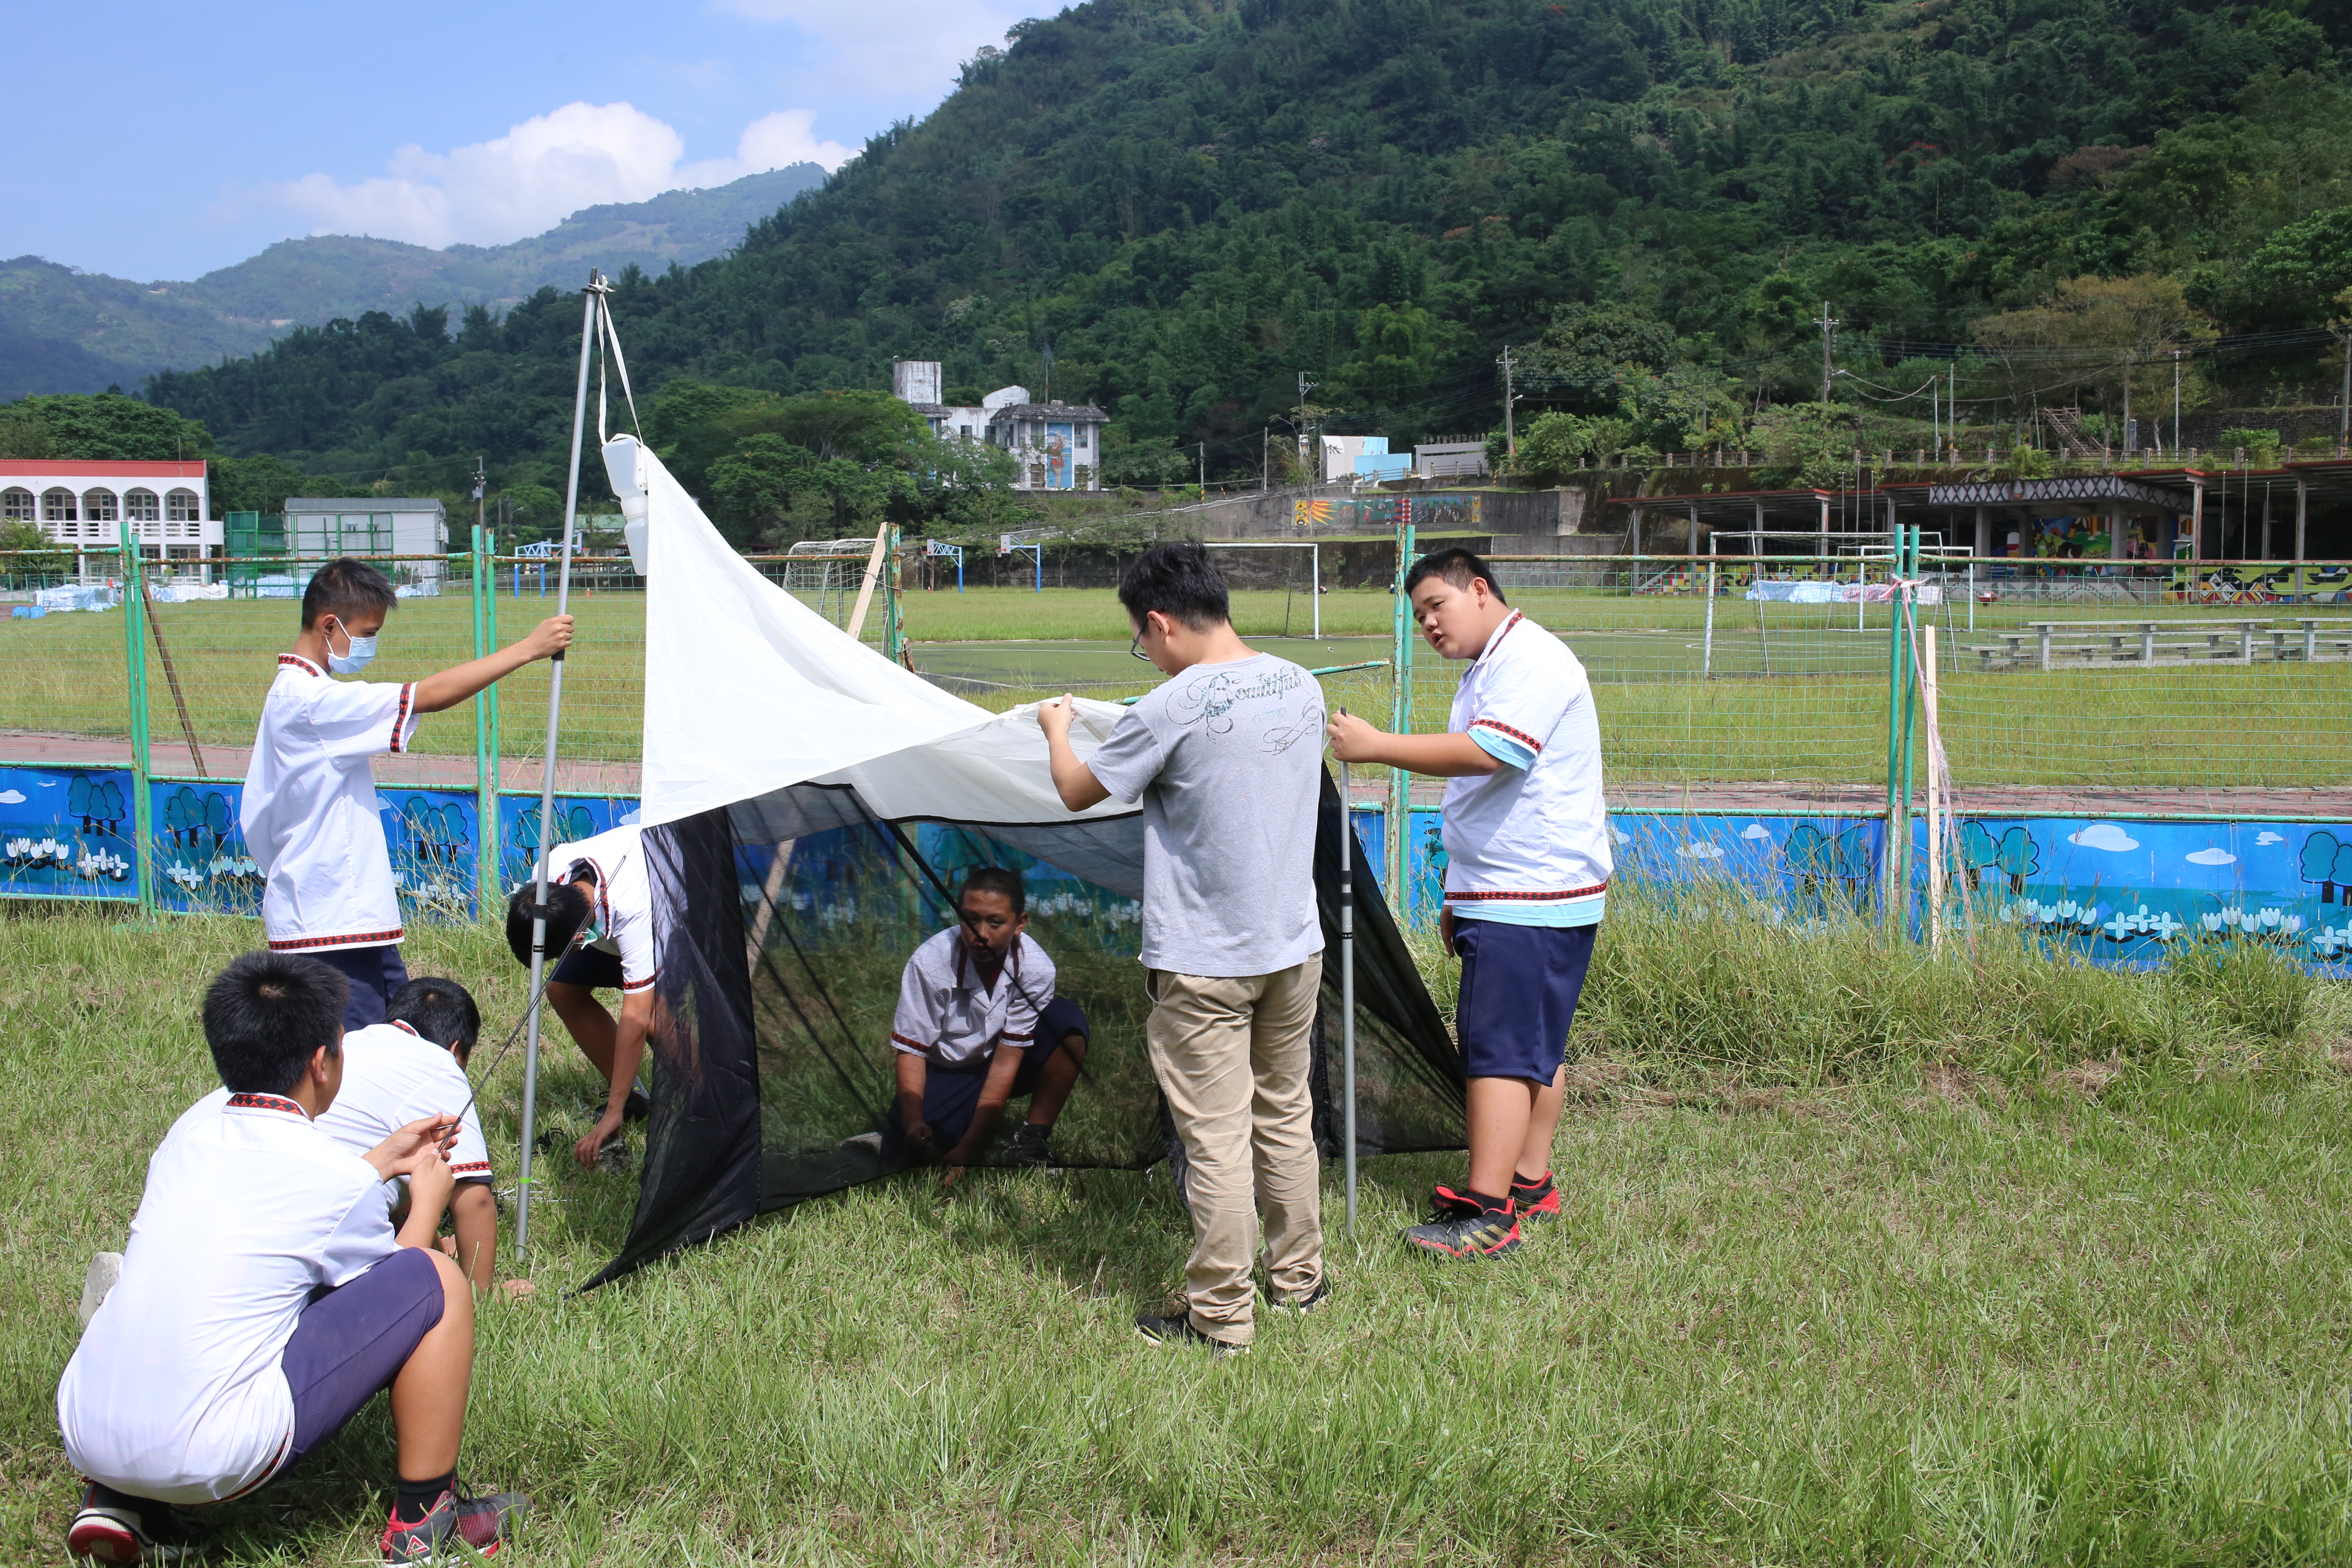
x=362 y=650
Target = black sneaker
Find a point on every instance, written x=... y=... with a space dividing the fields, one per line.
x=115 y=1528
x=1312 y=1301
x=1462 y=1229
x=1539 y=1202
x=636 y=1108
x=457 y=1527
x=1031 y=1147
x=1179 y=1330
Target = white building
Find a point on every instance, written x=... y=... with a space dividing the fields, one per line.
x=1361 y=457
x=319 y=529
x=1450 y=460
x=1058 y=445
x=88 y=504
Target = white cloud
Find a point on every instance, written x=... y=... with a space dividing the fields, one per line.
x=1755 y=830
x=12 y=797
x=541 y=172
x=2212 y=857
x=888 y=47
x=2103 y=836
x=1702 y=850
x=2270 y=838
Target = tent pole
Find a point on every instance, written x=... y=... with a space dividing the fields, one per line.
x=547 y=773
x=1347 y=985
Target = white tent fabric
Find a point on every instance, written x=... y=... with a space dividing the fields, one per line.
x=748 y=692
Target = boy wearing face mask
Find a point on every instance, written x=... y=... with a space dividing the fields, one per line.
x=310 y=812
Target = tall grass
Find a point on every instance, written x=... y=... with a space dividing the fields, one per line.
x=1705 y=982
x=1850 y=1323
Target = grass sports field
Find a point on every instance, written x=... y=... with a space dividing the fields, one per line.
x=1867 y=1259
x=1799 y=693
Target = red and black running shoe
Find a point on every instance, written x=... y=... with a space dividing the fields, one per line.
x=455 y=1525
x=1538 y=1200
x=1462 y=1228
x=115 y=1528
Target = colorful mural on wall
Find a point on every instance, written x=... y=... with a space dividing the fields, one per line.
x=69 y=832
x=2117 y=890
x=1434 y=513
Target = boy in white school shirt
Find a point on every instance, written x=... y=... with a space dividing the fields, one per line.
x=978 y=1025
x=1526 y=882
x=600 y=882
x=309 y=811
x=265 y=1299
x=412 y=1065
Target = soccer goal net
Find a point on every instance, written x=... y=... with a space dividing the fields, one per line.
x=1277 y=585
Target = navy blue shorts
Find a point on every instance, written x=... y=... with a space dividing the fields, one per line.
x=1520 y=987
x=375 y=974
x=952 y=1094
x=592 y=967
x=353 y=1339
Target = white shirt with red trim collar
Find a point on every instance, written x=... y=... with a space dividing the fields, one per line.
x=616 y=862
x=946 y=1013
x=175 y=1392
x=1527 y=843
x=310 y=808
x=393 y=1075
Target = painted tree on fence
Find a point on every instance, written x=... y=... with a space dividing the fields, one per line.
x=2019 y=857
x=2325 y=862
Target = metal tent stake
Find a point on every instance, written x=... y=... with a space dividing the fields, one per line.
x=1348 y=987
x=547 y=777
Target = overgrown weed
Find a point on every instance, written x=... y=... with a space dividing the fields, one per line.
x=1707 y=982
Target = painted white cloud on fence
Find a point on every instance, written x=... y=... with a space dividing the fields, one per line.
x=2103 y=836
x=2212 y=858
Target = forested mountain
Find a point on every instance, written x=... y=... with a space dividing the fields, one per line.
x=62 y=330
x=1194 y=202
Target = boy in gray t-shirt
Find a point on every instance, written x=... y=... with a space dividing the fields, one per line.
x=1226 y=758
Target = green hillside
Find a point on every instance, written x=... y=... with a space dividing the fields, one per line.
x=1192 y=202
x=62 y=330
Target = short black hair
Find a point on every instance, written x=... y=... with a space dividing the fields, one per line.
x=569 y=907
x=344 y=587
x=442 y=1010
x=267 y=1014
x=995 y=879
x=1458 y=566
x=1176 y=580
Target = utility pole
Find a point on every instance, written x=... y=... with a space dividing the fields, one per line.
x=2343 y=432
x=1204 y=469
x=2176 y=405
x=1305 y=385
x=1264 y=459
x=1510 y=433
x=1827 y=323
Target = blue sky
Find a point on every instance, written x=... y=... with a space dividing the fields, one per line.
x=162 y=140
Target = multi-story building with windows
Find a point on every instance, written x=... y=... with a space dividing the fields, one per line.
x=94 y=507
x=1056 y=446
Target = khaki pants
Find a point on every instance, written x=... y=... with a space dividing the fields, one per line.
x=1232 y=1056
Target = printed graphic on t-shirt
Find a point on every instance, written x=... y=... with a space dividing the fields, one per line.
x=1210 y=695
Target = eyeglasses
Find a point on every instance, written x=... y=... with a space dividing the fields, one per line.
x=1135 y=648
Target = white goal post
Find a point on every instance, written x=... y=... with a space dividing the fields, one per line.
x=1314 y=565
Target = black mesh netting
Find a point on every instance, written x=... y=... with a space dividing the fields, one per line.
x=788 y=919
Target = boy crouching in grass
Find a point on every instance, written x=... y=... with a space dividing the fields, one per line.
x=412 y=1065
x=979 y=1026
x=265 y=1297
x=1527 y=882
